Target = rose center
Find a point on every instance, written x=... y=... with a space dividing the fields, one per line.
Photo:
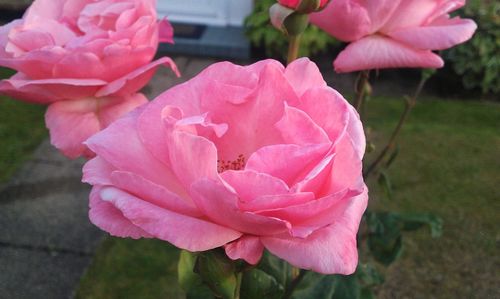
x=238 y=164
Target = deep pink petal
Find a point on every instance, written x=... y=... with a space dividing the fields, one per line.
x=185 y=232
x=220 y=205
x=330 y=250
x=166 y=32
x=377 y=52
x=248 y=248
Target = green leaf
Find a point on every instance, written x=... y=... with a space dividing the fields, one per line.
x=315 y=285
x=384 y=237
x=367 y=293
x=413 y=221
x=369 y=276
x=347 y=287
x=277 y=268
x=218 y=272
x=191 y=282
x=257 y=284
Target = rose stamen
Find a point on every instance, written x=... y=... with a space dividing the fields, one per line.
x=238 y=164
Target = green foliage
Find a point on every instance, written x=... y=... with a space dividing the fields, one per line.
x=478 y=60
x=261 y=33
x=21 y=131
x=385 y=232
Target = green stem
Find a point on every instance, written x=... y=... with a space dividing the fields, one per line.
x=239 y=278
x=409 y=104
x=295 y=282
x=361 y=82
x=293 y=47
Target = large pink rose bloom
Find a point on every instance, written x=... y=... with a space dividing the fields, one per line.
x=85 y=58
x=242 y=157
x=393 y=33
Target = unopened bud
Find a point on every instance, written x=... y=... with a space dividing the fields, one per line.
x=304 y=6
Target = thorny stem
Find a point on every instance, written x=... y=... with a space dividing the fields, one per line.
x=361 y=82
x=293 y=47
x=295 y=282
x=409 y=104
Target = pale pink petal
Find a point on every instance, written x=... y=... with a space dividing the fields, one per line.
x=267 y=202
x=330 y=250
x=112 y=108
x=45 y=91
x=303 y=74
x=356 y=132
x=220 y=206
x=377 y=52
x=124 y=157
x=289 y=162
x=135 y=80
x=108 y=218
x=185 y=232
x=97 y=171
x=249 y=184
x=153 y=193
x=310 y=212
x=71 y=123
x=193 y=157
x=410 y=13
x=436 y=36
x=380 y=11
x=296 y=127
x=328 y=109
x=338 y=17
x=248 y=248
x=250 y=121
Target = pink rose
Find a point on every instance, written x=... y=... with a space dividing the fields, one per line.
x=393 y=33
x=242 y=157
x=93 y=55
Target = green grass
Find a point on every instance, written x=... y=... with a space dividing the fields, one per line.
x=21 y=130
x=449 y=165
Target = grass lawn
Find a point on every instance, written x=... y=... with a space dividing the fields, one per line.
x=21 y=130
x=449 y=165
